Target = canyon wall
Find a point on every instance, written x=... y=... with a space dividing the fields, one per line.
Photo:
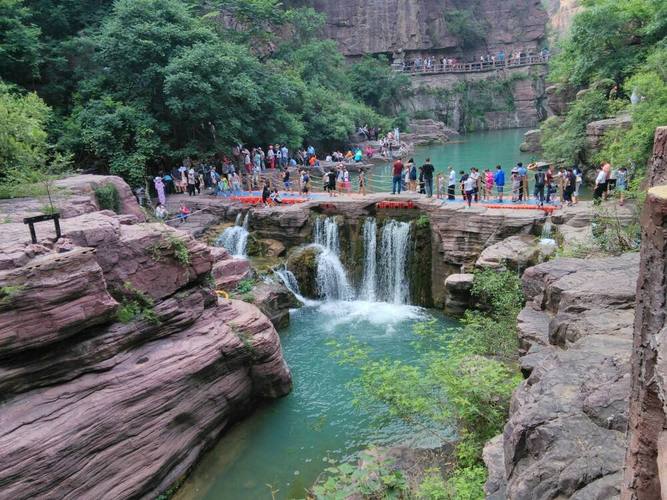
x=509 y=98
x=419 y=26
x=646 y=459
x=119 y=365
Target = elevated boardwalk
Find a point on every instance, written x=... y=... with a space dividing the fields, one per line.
x=474 y=67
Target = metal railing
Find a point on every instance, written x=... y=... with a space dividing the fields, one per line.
x=472 y=67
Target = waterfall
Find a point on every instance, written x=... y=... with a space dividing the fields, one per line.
x=291 y=283
x=235 y=238
x=369 y=283
x=393 y=261
x=326 y=234
x=546 y=229
x=332 y=280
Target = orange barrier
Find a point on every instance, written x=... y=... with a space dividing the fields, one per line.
x=395 y=204
x=547 y=209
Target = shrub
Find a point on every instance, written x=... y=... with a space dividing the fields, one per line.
x=171 y=244
x=107 y=197
x=245 y=286
x=135 y=304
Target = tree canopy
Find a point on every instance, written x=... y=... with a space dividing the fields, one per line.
x=137 y=85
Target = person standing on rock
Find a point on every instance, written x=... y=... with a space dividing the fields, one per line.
x=621 y=183
x=428 y=169
x=192 y=180
x=523 y=174
x=159 y=187
x=499 y=180
x=362 y=182
x=469 y=189
x=397 y=170
x=540 y=180
x=451 y=184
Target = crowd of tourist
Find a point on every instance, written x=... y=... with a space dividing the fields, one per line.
x=437 y=64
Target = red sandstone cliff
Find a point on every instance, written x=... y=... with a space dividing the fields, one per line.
x=95 y=408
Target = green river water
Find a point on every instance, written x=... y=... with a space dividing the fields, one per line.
x=286 y=443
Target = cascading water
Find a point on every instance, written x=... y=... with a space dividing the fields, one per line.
x=332 y=281
x=394 y=248
x=547 y=244
x=291 y=283
x=369 y=283
x=326 y=234
x=235 y=238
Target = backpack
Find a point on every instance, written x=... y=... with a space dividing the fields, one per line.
x=540 y=178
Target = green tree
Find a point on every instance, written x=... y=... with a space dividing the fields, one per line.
x=466 y=26
x=23 y=139
x=609 y=39
x=19 y=43
x=376 y=84
x=565 y=139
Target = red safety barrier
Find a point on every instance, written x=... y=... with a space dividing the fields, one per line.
x=395 y=204
x=547 y=209
x=257 y=200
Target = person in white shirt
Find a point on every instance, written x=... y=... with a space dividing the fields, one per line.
x=451 y=184
x=469 y=189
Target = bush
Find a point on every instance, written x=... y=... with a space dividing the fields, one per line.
x=135 y=304
x=107 y=197
x=171 y=244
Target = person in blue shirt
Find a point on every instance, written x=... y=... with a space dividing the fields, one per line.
x=499 y=180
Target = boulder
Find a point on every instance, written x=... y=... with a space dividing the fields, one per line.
x=596 y=130
x=96 y=408
x=135 y=427
x=275 y=301
x=565 y=437
x=458 y=289
x=559 y=98
x=52 y=298
x=303 y=264
x=427 y=131
x=531 y=142
x=513 y=253
x=228 y=273
x=493 y=455
x=71 y=197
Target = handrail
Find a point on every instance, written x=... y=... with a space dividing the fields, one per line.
x=474 y=67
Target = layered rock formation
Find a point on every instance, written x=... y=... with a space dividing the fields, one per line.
x=646 y=460
x=92 y=407
x=566 y=434
x=379 y=26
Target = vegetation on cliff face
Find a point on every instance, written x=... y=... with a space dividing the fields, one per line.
x=614 y=49
x=464 y=377
x=138 y=85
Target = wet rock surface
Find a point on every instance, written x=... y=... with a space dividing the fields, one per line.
x=565 y=437
x=91 y=407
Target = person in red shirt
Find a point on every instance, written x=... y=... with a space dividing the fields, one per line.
x=397 y=171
